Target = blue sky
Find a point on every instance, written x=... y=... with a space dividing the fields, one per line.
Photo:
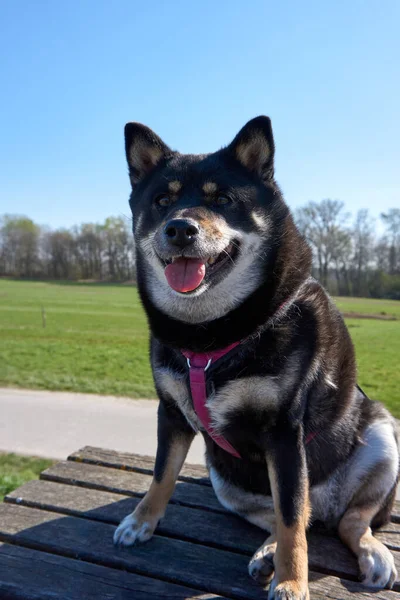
x=73 y=72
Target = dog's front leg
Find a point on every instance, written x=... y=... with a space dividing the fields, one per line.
x=174 y=439
x=289 y=484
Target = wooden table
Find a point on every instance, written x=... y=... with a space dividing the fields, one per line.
x=56 y=540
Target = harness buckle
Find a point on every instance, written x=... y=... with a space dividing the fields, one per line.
x=205 y=368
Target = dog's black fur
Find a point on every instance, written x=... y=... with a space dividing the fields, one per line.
x=291 y=334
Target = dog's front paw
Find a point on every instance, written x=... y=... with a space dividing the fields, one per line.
x=133 y=529
x=261 y=566
x=377 y=566
x=288 y=590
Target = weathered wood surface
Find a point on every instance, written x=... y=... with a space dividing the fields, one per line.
x=145 y=464
x=70 y=515
x=34 y=575
x=194 y=565
x=135 y=462
x=129 y=483
x=175 y=561
x=224 y=531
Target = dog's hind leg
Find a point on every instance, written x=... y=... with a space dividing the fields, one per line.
x=371 y=504
x=174 y=439
x=375 y=561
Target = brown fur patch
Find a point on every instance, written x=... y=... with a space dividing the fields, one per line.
x=174 y=186
x=354 y=528
x=355 y=532
x=291 y=557
x=210 y=187
x=253 y=153
x=144 y=157
x=211 y=223
x=153 y=505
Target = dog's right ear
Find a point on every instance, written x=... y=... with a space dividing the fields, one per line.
x=254 y=147
x=144 y=150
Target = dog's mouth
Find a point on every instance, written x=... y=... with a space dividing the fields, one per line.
x=187 y=274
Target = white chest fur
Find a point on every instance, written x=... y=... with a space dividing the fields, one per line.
x=251 y=392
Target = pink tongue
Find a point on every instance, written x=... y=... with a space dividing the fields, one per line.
x=185 y=274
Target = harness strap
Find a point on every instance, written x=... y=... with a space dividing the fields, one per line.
x=198 y=363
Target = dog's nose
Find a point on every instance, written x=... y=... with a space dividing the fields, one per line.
x=180 y=232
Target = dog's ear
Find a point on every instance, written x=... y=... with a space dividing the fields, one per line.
x=254 y=147
x=144 y=150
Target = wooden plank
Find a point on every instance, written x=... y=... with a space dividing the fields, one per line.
x=224 y=531
x=129 y=483
x=145 y=464
x=199 y=567
x=172 y=560
x=34 y=575
x=330 y=588
x=135 y=462
x=389 y=534
x=114 y=480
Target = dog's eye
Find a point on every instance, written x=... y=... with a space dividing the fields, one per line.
x=221 y=200
x=163 y=200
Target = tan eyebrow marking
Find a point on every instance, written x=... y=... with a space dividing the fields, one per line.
x=210 y=187
x=174 y=186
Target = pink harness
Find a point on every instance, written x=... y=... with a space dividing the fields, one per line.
x=198 y=363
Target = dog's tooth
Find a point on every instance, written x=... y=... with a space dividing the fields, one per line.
x=211 y=261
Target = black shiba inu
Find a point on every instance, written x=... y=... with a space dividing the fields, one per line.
x=224 y=275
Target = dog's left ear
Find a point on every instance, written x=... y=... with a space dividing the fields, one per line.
x=144 y=150
x=254 y=147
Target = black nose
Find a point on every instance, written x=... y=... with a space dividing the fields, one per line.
x=180 y=232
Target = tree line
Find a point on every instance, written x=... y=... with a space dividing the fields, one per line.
x=91 y=251
x=350 y=258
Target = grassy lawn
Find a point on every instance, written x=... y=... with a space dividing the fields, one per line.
x=96 y=340
x=16 y=470
x=378 y=356
x=369 y=306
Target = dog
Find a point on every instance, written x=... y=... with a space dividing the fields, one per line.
x=248 y=349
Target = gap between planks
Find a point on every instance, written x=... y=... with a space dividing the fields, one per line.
x=224 y=532
x=209 y=570
x=58 y=577
x=144 y=464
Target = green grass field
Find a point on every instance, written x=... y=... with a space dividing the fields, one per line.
x=17 y=470
x=96 y=340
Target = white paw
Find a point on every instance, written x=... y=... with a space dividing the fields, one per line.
x=130 y=531
x=377 y=567
x=261 y=566
x=287 y=590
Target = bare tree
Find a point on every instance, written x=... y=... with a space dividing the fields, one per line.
x=392 y=221
x=324 y=226
x=117 y=248
x=363 y=243
x=89 y=250
x=19 y=246
x=59 y=248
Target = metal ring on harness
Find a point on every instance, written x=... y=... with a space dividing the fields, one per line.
x=205 y=368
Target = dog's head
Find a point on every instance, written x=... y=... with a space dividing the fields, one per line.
x=205 y=226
